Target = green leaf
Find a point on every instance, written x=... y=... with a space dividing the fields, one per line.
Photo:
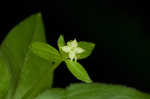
x=78 y=71
x=55 y=93
x=103 y=91
x=4 y=77
x=88 y=47
x=36 y=76
x=94 y=91
x=30 y=74
x=60 y=42
x=15 y=45
x=45 y=51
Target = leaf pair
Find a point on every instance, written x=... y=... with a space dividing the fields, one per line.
x=46 y=51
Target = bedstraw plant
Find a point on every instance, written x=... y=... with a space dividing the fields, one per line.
x=27 y=65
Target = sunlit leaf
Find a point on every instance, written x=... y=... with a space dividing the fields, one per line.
x=78 y=71
x=44 y=50
x=60 y=42
x=88 y=48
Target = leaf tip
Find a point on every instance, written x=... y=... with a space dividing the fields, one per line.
x=88 y=81
x=93 y=45
x=39 y=14
x=61 y=36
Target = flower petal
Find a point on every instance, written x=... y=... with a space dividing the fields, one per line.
x=79 y=50
x=72 y=55
x=73 y=43
x=66 y=49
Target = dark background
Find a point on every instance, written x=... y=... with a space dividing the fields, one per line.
x=119 y=28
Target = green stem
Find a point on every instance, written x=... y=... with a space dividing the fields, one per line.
x=56 y=65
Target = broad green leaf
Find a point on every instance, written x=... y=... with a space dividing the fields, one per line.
x=94 y=91
x=4 y=76
x=44 y=50
x=36 y=76
x=55 y=93
x=60 y=42
x=15 y=45
x=78 y=71
x=25 y=67
x=103 y=91
x=88 y=47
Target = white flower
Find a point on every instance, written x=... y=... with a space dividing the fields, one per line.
x=72 y=49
